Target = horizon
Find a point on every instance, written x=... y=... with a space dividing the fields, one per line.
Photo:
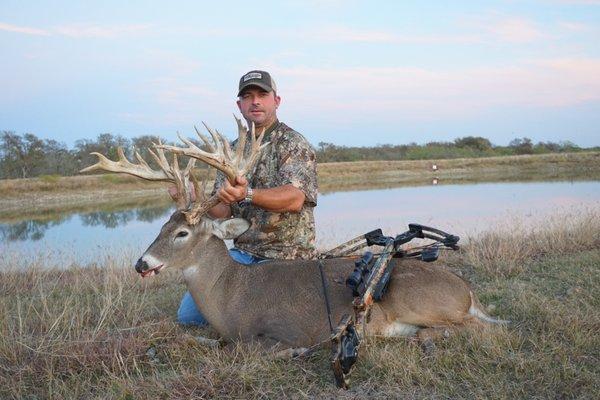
x=315 y=145
x=349 y=74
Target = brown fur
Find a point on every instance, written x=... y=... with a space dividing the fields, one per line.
x=281 y=301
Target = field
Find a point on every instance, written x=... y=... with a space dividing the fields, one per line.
x=40 y=195
x=102 y=332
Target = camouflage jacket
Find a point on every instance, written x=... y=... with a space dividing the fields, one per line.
x=289 y=159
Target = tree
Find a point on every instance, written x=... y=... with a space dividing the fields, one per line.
x=473 y=142
x=21 y=155
x=521 y=145
x=105 y=144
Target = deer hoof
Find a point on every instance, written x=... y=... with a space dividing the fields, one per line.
x=428 y=347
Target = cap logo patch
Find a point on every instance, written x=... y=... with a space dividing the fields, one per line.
x=252 y=75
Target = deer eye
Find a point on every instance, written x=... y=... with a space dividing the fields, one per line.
x=181 y=234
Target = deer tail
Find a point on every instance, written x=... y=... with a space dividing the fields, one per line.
x=476 y=311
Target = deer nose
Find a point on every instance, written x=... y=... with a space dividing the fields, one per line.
x=141 y=266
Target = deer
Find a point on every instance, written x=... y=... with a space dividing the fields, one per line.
x=279 y=303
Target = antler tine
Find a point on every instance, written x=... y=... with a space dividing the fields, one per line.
x=125 y=166
x=141 y=159
x=205 y=140
x=216 y=159
x=159 y=157
x=227 y=152
x=190 y=165
x=242 y=133
x=183 y=197
x=256 y=149
x=216 y=138
x=199 y=190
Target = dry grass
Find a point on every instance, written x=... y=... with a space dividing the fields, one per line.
x=509 y=249
x=87 y=332
x=380 y=174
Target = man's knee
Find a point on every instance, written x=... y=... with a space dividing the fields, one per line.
x=188 y=313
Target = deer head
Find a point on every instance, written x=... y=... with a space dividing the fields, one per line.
x=189 y=228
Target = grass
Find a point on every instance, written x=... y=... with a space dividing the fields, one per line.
x=381 y=174
x=102 y=332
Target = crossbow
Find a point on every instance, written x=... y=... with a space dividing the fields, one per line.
x=369 y=282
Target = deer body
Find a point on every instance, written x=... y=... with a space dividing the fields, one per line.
x=282 y=301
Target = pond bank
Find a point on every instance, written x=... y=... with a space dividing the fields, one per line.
x=52 y=193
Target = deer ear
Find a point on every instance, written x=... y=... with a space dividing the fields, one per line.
x=230 y=228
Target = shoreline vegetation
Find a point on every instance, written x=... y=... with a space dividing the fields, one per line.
x=102 y=332
x=36 y=196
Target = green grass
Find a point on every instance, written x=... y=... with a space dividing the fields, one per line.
x=86 y=332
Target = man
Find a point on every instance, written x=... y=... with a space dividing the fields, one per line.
x=277 y=198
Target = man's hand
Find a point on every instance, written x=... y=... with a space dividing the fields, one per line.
x=229 y=193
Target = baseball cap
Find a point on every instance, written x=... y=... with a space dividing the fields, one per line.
x=262 y=79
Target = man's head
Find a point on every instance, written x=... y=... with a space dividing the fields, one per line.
x=258 y=99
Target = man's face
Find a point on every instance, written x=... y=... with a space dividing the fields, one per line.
x=259 y=106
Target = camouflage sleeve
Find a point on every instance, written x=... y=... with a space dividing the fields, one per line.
x=298 y=166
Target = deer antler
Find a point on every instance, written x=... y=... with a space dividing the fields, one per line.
x=167 y=173
x=221 y=156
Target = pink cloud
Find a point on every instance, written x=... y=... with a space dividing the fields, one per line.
x=418 y=93
x=515 y=30
x=346 y=34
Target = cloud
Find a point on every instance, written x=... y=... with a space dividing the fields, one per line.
x=177 y=100
x=374 y=93
x=80 y=30
x=98 y=31
x=346 y=34
x=23 y=29
x=590 y=2
x=515 y=30
x=575 y=26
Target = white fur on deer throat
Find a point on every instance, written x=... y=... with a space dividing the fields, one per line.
x=190 y=272
x=396 y=329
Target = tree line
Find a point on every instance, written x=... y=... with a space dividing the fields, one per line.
x=465 y=147
x=26 y=156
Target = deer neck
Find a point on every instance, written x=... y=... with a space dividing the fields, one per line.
x=208 y=277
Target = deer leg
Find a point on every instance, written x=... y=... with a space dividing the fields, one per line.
x=292 y=352
x=427 y=336
x=274 y=348
x=204 y=341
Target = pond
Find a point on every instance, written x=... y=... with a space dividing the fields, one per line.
x=83 y=238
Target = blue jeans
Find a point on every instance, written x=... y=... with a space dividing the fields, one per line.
x=188 y=313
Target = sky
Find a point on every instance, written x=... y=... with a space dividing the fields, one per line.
x=351 y=73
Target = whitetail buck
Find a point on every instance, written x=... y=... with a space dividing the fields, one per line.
x=278 y=301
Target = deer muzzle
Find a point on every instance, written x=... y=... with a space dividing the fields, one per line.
x=142 y=267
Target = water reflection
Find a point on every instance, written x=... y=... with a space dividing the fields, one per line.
x=27 y=230
x=35 y=229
